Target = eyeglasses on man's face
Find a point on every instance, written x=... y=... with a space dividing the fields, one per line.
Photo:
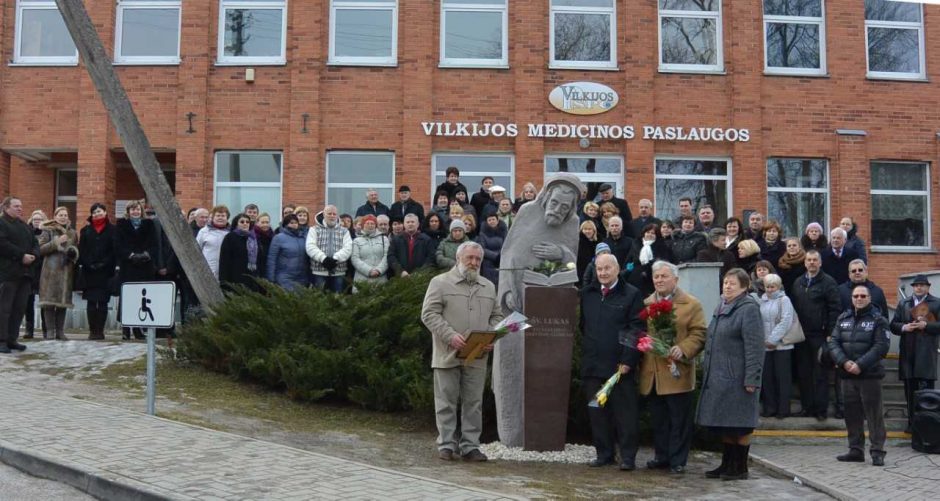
x=859 y=270
x=859 y=296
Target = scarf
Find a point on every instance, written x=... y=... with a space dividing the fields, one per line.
x=99 y=224
x=646 y=253
x=135 y=222
x=222 y=227
x=252 y=247
x=787 y=261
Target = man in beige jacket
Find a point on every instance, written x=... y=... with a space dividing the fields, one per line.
x=670 y=398
x=458 y=302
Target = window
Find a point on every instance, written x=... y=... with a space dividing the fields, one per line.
x=705 y=181
x=364 y=32
x=350 y=173
x=690 y=35
x=583 y=34
x=473 y=168
x=592 y=170
x=41 y=35
x=244 y=177
x=894 y=32
x=900 y=205
x=66 y=190
x=148 y=32
x=797 y=193
x=795 y=34
x=253 y=31
x=474 y=33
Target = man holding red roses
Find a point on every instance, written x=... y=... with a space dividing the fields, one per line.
x=669 y=380
x=610 y=309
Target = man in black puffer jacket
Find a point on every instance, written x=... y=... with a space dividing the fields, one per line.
x=858 y=343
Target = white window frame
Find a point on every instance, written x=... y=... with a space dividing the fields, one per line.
x=893 y=75
x=362 y=186
x=436 y=171
x=216 y=184
x=719 y=66
x=785 y=189
x=591 y=177
x=728 y=177
x=19 y=59
x=920 y=193
x=502 y=62
x=122 y=6
x=390 y=60
x=818 y=21
x=223 y=60
x=589 y=65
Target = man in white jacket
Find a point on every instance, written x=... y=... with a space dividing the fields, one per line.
x=329 y=247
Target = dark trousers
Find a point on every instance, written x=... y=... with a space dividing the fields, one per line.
x=97 y=312
x=912 y=386
x=839 y=394
x=672 y=426
x=813 y=377
x=334 y=283
x=863 y=403
x=616 y=422
x=14 y=294
x=31 y=317
x=777 y=383
x=188 y=300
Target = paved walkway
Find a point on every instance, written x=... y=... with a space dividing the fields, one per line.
x=907 y=474
x=113 y=453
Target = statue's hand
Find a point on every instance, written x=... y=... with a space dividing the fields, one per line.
x=548 y=251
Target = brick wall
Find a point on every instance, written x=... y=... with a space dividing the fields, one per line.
x=56 y=108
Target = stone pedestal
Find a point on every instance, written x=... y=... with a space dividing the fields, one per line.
x=552 y=313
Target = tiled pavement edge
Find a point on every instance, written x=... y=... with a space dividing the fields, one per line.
x=114 y=453
x=907 y=474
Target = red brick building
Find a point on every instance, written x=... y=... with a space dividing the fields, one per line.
x=832 y=104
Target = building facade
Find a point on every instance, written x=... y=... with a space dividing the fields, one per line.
x=806 y=110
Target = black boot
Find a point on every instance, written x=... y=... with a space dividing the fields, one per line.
x=725 y=455
x=737 y=467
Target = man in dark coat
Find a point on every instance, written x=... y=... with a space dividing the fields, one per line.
x=620 y=244
x=410 y=250
x=815 y=298
x=837 y=256
x=405 y=205
x=916 y=322
x=606 y=192
x=715 y=252
x=372 y=205
x=610 y=310
x=18 y=250
x=858 y=343
x=646 y=217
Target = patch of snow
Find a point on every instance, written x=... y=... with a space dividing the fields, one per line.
x=573 y=454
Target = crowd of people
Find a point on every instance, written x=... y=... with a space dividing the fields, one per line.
x=797 y=308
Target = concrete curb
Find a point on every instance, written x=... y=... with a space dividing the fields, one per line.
x=98 y=483
x=807 y=481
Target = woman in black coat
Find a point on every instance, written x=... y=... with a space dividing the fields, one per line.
x=36 y=221
x=242 y=257
x=587 y=246
x=434 y=228
x=641 y=274
x=97 y=258
x=135 y=246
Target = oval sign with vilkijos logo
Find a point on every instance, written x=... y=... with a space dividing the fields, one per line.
x=583 y=98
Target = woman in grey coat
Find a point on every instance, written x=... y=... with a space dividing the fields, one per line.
x=731 y=374
x=370 y=253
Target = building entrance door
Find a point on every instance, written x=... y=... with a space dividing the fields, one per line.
x=592 y=170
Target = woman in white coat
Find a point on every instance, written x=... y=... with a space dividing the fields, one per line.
x=210 y=237
x=778 y=315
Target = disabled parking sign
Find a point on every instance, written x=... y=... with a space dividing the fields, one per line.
x=148 y=304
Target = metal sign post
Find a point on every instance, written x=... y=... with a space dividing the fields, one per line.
x=149 y=305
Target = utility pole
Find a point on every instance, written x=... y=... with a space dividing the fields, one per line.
x=137 y=145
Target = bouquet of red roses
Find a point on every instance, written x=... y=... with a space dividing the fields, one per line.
x=660 y=318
